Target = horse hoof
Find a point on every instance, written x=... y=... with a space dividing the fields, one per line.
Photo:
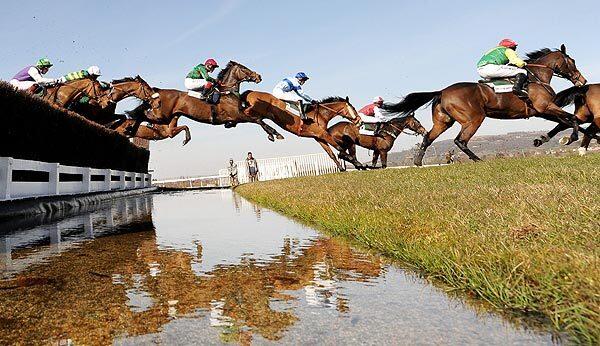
x=537 y=142
x=566 y=140
x=582 y=151
x=271 y=138
x=186 y=141
x=279 y=137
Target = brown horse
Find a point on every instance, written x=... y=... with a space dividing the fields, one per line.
x=175 y=103
x=587 y=110
x=119 y=89
x=132 y=127
x=65 y=93
x=471 y=103
x=348 y=137
x=263 y=104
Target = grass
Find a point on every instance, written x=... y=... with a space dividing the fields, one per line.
x=521 y=234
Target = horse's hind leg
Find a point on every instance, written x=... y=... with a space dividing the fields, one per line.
x=441 y=122
x=269 y=130
x=465 y=134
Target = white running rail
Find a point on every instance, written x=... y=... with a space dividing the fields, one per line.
x=24 y=178
x=284 y=167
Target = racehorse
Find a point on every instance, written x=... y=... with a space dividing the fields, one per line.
x=65 y=93
x=133 y=127
x=347 y=135
x=471 y=103
x=587 y=110
x=266 y=105
x=119 y=90
x=227 y=111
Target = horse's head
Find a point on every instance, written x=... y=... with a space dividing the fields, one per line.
x=340 y=106
x=93 y=89
x=560 y=63
x=235 y=73
x=414 y=125
x=136 y=87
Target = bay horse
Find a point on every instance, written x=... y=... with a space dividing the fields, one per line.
x=64 y=94
x=132 y=126
x=471 y=103
x=262 y=104
x=347 y=135
x=175 y=103
x=119 y=89
x=587 y=110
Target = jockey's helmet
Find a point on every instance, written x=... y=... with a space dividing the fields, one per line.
x=301 y=75
x=211 y=62
x=508 y=43
x=94 y=70
x=378 y=99
x=43 y=62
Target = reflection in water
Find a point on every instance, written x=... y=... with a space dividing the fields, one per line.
x=122 y=274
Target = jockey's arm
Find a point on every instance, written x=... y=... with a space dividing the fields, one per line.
x=301 y=93
x=379 y=115
x=514 y=59
x=206 y=76
x=38 y=78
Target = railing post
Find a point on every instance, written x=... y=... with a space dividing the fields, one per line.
x=107 y=179
x=123 y=183
x=5 y=176
x=87 y=180
x=53 y=179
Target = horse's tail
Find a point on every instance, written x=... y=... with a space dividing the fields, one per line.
x=568 y=96
x=412 y=102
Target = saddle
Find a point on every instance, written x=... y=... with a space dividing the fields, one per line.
x=368 y=129
x=293 y=108
x=213 y=97
x=500 y=85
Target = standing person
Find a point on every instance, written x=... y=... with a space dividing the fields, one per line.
x=33 y=75
x=233 y=173
x=252 y=167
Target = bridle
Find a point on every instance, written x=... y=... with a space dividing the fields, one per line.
x=335 y=113
x=572 y=77
x=143 y=94
x=237 y=81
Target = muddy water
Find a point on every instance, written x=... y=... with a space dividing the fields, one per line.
x=209 y=268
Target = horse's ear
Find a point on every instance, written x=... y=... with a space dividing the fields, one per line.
x=563 y=49
x=347 y=99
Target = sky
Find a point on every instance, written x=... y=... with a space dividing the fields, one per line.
x=359 y=49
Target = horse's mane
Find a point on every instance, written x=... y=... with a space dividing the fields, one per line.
x=123 y=80
x=331 y=99
x=531 y=56
x=224 y=71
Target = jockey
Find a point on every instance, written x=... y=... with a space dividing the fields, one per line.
x=32 y=75
x=92 y=72
x=290 y=89
x=371 y=114
x=199 y=80
x=502 y=61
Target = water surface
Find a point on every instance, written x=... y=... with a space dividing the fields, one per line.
x=210 y=267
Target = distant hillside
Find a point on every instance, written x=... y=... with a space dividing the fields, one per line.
x=510 y=144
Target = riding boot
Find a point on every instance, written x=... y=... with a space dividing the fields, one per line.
x=302 y=110
x=519 y=88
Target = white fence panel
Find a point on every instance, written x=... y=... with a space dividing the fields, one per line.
x=25 y=178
